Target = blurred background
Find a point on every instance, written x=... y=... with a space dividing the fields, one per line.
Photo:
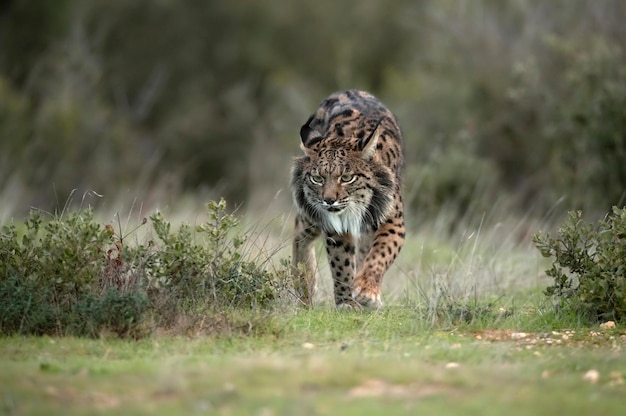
x=518 y=105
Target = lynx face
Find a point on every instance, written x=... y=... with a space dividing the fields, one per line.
x=335 y=192
x=347 y=186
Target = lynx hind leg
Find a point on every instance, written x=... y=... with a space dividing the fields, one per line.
x=341 y=251
x=304 y=264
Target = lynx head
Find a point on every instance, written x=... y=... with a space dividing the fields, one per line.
x=339 y=183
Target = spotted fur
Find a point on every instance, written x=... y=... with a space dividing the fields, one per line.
x=348 y=188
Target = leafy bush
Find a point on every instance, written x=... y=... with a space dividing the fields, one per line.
x=589 y=265
x=212 y=272
x=25 y=307
x=50 y=271
x=71 y=275
x=114 y=311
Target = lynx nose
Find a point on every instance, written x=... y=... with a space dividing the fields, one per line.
x=331 y=205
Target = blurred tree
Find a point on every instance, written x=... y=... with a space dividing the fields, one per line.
x=104 y=95
x=28 y=28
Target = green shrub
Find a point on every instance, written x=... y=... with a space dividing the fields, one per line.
x=210 y=272
x=589 y=265
x=53 y=274
x=112 y=311
x=71 y=275
x=63 y=255
x=25 y=307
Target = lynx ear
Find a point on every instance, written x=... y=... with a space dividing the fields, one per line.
x=308 y=137
x=368 y=145
x=306 y=130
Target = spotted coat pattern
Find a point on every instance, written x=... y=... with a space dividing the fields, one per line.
x=347 y=188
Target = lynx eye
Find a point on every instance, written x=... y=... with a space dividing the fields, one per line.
x=316 y=180
x=348 y=178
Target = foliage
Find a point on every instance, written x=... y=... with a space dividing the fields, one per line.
x=566 y=127
x=213 y=272
x=114 y=311
x=588 y=268
x=71 y=275
x=495 y=98
x=26 y=307
x=51 y=279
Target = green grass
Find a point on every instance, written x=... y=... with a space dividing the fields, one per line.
x=325 y=362
x=466 y=330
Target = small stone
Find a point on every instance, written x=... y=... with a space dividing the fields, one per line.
x=592 y=376
x=607 y=325
x=308 y=346
x=452 y=365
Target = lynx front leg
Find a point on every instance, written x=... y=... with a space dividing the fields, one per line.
x=341 y=257
x=386 y=245
x=364 y=245
x=304 y=265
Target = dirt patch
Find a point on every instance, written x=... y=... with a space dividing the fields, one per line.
x=380 y=388
x=70 y=395
x=605 y=335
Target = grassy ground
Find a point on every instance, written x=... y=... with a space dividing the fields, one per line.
x=326 y=362
x=466 y=330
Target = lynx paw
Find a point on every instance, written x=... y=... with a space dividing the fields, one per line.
x=349 y=305
x=368 y=297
